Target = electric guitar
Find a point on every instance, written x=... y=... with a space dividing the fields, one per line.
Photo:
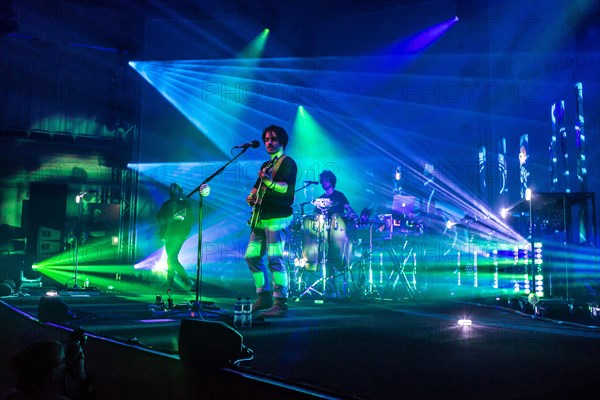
x=177 y=214
x=260 y=192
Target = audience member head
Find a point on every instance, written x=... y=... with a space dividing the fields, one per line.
x=175 y=191
x=40 y=367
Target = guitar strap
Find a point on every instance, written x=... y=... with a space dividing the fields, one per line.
x=277 y=165
x=273 y=173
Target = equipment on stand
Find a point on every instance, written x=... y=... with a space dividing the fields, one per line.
x=78 y=234
x=365 y=283
x=323 y=246
x=315 y=235
x=384 y=235
x=197 y=307
x=321 y=241
x=399 y=229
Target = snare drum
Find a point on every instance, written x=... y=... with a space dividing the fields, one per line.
x=313 y=230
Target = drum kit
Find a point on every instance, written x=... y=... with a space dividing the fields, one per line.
x=332 y=254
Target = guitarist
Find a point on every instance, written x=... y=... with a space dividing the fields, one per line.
x=271 y=198
x=176 y=219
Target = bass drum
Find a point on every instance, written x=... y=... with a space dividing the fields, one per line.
x=313 y=231
x=342 y=230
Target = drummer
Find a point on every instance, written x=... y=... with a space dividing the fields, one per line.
x=339 y=202
x=337 y=206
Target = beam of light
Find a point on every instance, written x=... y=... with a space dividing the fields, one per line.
x=256 y=47
x=423 y=39
x=308 y=130
x=323 y=153
x=222 y=242
x=400 y=54
x=344 y=100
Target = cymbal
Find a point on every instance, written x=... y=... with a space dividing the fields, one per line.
x=322 y=203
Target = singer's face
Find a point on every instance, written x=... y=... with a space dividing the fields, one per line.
x=272 y=143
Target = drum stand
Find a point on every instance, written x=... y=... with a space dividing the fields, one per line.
x=322 y=261
x=366 y=286
x=398 y=274
x=296 y=283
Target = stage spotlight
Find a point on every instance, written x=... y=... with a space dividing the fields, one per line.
x=209 y=344
x=504 y=212
x=465 y=322
x=528 y=194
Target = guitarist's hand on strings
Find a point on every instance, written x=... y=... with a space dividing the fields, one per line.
x=251 y=198
x=266 y=177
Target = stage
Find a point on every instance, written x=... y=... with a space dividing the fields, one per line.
x=368 y=347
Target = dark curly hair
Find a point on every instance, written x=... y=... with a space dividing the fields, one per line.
x=330 y=176
x=282 y=135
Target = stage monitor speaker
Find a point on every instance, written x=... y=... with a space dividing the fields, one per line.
x=208 y=344
x=53 y=309
x=5 y=289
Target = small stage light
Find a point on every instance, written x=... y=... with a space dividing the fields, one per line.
x=465 y=322
x=528 y=194
x=503 y=212
x=300 y=262
x=115 y=241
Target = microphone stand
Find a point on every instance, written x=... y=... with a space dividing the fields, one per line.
x=196 y=308
x=77 y=237
x=78 y=229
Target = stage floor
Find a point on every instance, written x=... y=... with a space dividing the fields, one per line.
x=374 y=348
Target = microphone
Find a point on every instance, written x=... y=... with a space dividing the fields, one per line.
x=311 y=182
x=254 y=144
